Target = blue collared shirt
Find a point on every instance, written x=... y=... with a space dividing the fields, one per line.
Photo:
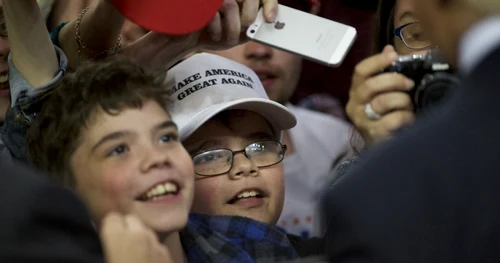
x=481 y=39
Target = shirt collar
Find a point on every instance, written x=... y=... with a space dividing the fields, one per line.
x=478 y=42
x=234 y=239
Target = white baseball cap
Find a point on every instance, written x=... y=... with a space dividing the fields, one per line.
x=205 y=84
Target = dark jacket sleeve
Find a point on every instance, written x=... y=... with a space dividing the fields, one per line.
x=307 y=247
x=41 y=222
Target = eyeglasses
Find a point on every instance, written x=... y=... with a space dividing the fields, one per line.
x=220 y=161
x=412 y=36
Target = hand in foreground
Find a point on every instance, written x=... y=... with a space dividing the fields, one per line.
x=225 y=30
x=127 y=240
x=229 y=25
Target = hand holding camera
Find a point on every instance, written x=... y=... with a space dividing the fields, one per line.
x=408 y=85
x=385 y=96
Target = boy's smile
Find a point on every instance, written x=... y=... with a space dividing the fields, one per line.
x=246 y=190
x=249 y=198
x=142 y=169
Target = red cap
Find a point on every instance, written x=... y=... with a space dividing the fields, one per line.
x=172 y=17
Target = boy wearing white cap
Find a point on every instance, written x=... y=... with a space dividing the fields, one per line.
x=232 y=130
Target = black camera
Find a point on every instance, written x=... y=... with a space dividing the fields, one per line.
x=434 y=79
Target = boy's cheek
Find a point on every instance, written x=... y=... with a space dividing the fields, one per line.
x=274 y=178
x=206 y=195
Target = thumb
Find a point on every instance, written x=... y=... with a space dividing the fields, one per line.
x=388 y=48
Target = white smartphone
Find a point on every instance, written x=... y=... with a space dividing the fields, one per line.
x=304 y=34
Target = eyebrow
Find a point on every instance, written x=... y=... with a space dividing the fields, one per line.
x=260 y=136
x=205 y=145
x=120 y=134
x=164 y=125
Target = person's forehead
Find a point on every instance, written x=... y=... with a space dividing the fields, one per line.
x=101 y=122
x=230 y=125
x=247 y=117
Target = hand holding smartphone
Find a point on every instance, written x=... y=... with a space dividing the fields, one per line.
x=307 y=35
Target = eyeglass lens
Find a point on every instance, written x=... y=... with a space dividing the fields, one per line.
x=220 y=161
x=414 y=36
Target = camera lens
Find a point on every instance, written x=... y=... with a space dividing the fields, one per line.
x=434 y=89
x=252 y=31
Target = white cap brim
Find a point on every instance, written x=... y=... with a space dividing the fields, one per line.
x=276 y=114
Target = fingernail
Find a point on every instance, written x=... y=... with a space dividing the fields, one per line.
x=232 y=41
x=409 y=83
x=392 y=55
x=271 y=15
x=215 y=37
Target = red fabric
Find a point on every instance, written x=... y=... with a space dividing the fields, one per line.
x=336 y=81
x=173 y=17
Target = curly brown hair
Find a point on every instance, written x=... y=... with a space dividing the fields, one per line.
x=112 y=85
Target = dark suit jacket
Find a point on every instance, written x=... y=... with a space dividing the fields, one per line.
x=41 y=222
x=431 y=195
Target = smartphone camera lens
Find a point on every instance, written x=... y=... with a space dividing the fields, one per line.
x=252 y=31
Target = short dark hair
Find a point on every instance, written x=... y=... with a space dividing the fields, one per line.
x=111 y=84
x=384 y=25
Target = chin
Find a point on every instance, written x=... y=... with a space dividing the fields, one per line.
x=163 y=218
x=173 y=222
x=261 y=216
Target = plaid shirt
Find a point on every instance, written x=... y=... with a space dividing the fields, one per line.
x=234 y=239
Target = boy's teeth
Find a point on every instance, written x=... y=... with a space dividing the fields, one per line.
x=162 y=189
x=247 y=194
x=170 y=187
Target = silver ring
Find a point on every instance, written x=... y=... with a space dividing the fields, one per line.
x=370 y=113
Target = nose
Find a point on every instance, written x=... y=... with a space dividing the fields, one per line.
x=242 y=166
x=256 y=51
x=155 y=157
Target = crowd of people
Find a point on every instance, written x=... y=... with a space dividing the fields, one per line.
x=120 y=143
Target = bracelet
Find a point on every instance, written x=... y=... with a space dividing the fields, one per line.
x=82 y=46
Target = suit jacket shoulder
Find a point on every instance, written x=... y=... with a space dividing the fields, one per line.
x=42 y=222
x=430 y=195
x=307 y=247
